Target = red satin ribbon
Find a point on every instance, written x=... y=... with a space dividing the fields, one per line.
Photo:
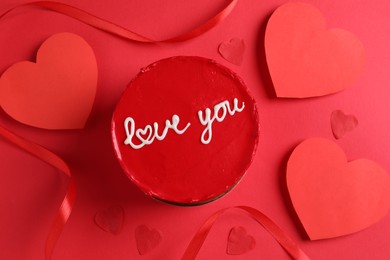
x=120 y=31
x=55 y=161
x=278 y=234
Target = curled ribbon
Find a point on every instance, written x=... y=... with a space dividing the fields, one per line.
x=120 y=31
x=55 y=161
x=277 y=233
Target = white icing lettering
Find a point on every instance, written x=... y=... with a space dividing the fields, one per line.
x=148 y=134
x=220 y=111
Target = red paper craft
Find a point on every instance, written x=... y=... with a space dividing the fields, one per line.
x=58 y=91
x=185 y=130
x=146 y=239
x=342 y=123
x=304 y=58
x=111 y=219
x=233 y=51
x=331 y=196
x=239 y=242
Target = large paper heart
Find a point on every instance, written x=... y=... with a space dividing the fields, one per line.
x=56 y=92
x=239 y=242
x=331 y=196
x=146 y=239
x=111 y=219
x=304 y=58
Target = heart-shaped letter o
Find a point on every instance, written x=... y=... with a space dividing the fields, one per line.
x=56 y=92
x=331 y=196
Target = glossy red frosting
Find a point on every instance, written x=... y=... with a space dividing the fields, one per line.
x=180 y=168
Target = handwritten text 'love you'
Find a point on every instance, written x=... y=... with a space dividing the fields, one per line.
x=149 y=133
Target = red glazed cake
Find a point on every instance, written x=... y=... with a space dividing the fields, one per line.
x=185 y=130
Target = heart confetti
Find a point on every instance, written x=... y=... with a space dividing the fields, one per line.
x=331 y=196
x=341 y=123
x=56 y=92
x=111 y=219
x=304 y=58
x=146 y=239
x=233 y=50
x=239 y=242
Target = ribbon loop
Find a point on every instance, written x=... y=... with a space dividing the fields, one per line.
x=55 y=161
x=277 y=233
x=117 y=30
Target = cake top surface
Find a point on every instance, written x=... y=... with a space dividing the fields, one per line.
x=185 y=130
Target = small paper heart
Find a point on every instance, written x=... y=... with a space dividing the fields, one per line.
x=111 y=219
x=342 y=123
x=146 y=239
x=233 y=50
x=239 y=242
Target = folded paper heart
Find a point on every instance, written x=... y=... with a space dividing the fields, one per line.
x=341 y=123
x=331 y=196
x=56 y=92
x=146 y=239
x=233 y=50
x=304 y=58
x=239 y=242
x=111 y=219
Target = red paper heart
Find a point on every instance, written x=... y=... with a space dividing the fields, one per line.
x=233 y=50
x=146 y=239
x=304 y=58
x=56 y=92
x=239 y=242
x=331 y=196
x=342 y=123
x=111 y=219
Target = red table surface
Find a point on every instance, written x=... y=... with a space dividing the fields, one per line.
x=31 y=191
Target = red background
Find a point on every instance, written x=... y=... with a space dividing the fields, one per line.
x=31 y=191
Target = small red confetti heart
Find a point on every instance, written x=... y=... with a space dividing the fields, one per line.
x=342 y=123
x=111 y=219
x=239 y=242
x=146 y=239
x=233 y=51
